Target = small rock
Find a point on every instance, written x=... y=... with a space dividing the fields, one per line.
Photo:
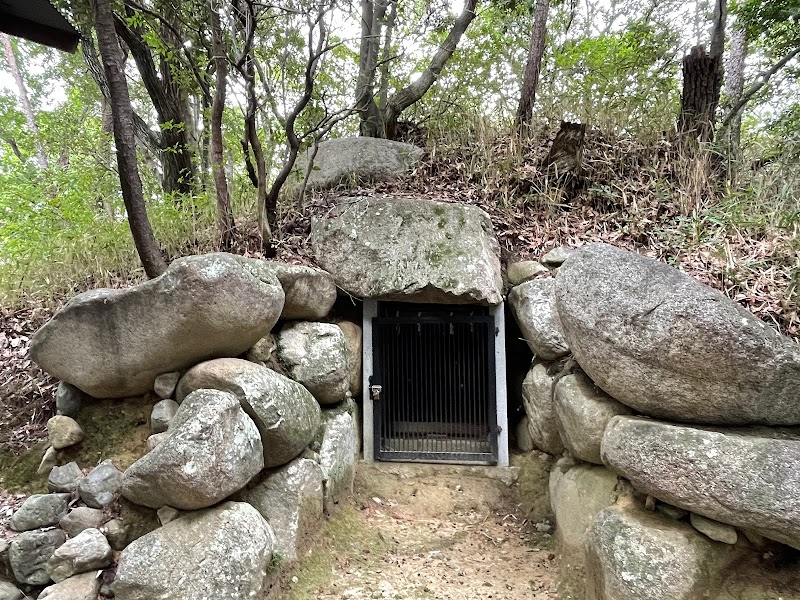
x=30 y=552
x=64 y=432
x=49 y=460
x=80 y=519
x=133 y=522
x=671 y=512
x=719 y=532
x=165 y=384
x=88 y=551
x=97 y=489
x=543 y=527
x=162 y=414
x=9 y=592
x=65 y=479
x=40 y=510
x=167 y=514
x=79 y=587
x=155 y=439
x=520 y=272
x=69 y=399
x=556 y=256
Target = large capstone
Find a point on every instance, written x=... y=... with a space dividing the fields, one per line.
x=537 y=398
x=291 y=501
x=316 y=355
x=410 y=250
x=670 y=347
x=212 y=450
x=534 y=306
x=114 y=343
x=632 y=554
x=353 y=161
x=310 y=293
x=286 y=414
x=222 y=552
x=745 y=478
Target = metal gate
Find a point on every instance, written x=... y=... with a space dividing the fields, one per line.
x=433 y=384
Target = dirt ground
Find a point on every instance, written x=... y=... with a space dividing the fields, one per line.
x=428 y=532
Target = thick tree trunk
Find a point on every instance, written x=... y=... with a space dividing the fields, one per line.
x=734 y=87
x=224 y=212
x=702 y=82
x=131 y=184
x=371 y=118
x=22 y=94
x=533 y=65
x=717 y=47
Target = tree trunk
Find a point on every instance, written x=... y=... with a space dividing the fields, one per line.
x=717 y=47
x=533 y=65
x=125 y=141
x=734 y=88
x=224 y=212
x=22 y=93
x=702 y=82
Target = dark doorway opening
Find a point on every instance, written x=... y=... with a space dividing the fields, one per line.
x=433 y=383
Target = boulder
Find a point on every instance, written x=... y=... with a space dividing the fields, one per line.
x=213 y=449
x=310 y=292
x=670 y=347
x=114 y=343
x=291 y=501
x=64 y=479
x=133 y=522
x=69 y=400
x=745 y=478
x=9 y=591
x=353 y=341
x=524 y=438
x=40 y=510
x=63 y=432
x=556 y=257
x=315 y=354
x=534 y=306
x=719 y=532
x=80 y=587
x=30 y=552
x=582 y=411
x=537 y=397
x=222 y=552
x=285 y=413
x=164 y=385
x=525 y=270
x=353 y=161
x=410 y=250
x=97 y=489
x=338 y=443
x=6 y=573
x=88 y=551
x=162 y=414
x=81 y=518
x=632 y=554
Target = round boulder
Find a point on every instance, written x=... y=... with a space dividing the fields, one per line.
x=534 y=306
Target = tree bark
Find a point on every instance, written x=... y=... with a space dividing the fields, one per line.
x=734 y=87
x=533 y=66
x=717 y=47
x=702 y=82
x=22 y=94
x=220 y=59
x=132 y=194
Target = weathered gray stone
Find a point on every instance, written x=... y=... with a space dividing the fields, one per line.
x=745 y=478
x=349 y=161
x=69 y=400
x=537 y=397
x=338 y=454
x=63 y=432
x=632 y=554
x=315 y=354
x=97 y=489
x=291 y=502
x=164 y=384
x=6 y=573
x=133 y=522
x=534 y=306
x=30 y=552
x=222 y=552
x=353 y=340
x=162 y=414
x=49 y=460
x=81 y=518
x=167 y=514
x=213 y=449
x=410 y=250
x=719 y=532
x=671 y=512
x=310 y=293
x=520 y=272
x=582 y=411
x=155 y=439
x=114 y=343
x=80 y=587
x=668 y=346
x=40 y=510
x=524 y=438
x=265 y=353
x=64 y=479
x=9 y=591
x=285 y=413
x=556 y=256
x=88 y=551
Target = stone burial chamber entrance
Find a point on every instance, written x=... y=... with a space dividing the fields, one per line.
x=433 y=327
